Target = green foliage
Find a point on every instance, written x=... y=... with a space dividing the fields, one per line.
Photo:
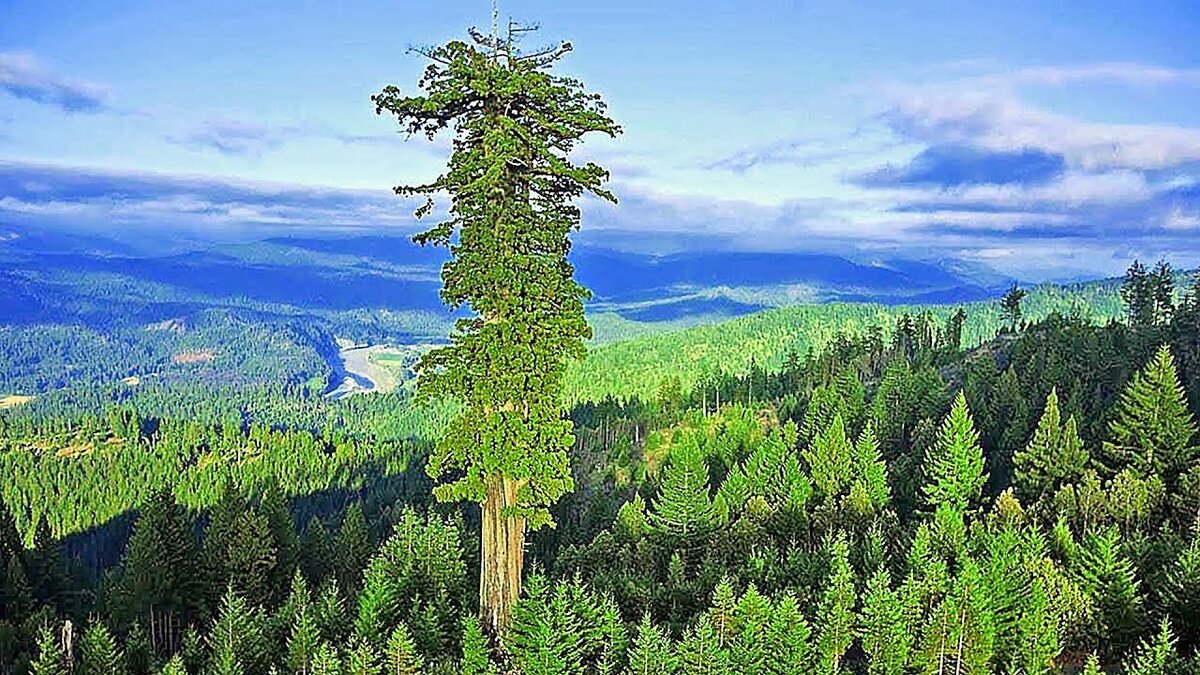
x=830 y=454
x=50 y=659
x=1109 y=576
x=885 y=639
x=98 y=652
x=416 y=579
x=835 y=615
x=1154 y=656
x=1153 y=427
x=512 y=185
x=474 y=648
x=1054 y=456
x=401 y=657
x=954 y=465
x=652 y=652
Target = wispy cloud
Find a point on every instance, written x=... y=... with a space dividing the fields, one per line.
x=236 y=137
x=800 y=152
x=23 y=76
x=1002 y=122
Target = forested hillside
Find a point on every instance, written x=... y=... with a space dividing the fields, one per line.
x=908 y=495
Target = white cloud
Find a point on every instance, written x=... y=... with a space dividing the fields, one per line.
x=1002 y=122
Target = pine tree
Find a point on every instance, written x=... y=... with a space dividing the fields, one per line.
x=1111 y=580
x=163 y=569
x=303 y=641
x=1153 y=428
x=513 y=185
x=1054 y=456
x=1154 y=656
x=174 y=667
x=236 y=637
x=330 y=614
x=652 y=652
x=1138 y=295
x=1162 y=291
x=139 y=653
x=828 y=456
x=954 y=464
x=326 y=662
x=283 y=537
x=361 y=658
x=1010 y=306
x=98 y=652
x=881 y=623
x=700 y=651
x=871 y=479
x=401 y=657
x=316 y=553
x=683 y=509
x=353 y=548
x=1181 y=595
x=748 y=649
x=50 y=659
x=788 y=639
x=1038 y=644
x=835 y=614
x=474 y=648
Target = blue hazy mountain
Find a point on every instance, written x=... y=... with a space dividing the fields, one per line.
x=389 y=272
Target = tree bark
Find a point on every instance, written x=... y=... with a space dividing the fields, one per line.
x=502 y=555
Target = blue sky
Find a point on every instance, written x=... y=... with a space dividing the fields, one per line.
x=1044 y=141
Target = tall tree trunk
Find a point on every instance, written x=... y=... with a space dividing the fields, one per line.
x=502 y=556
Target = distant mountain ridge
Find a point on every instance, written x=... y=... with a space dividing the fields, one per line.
x=389 y=272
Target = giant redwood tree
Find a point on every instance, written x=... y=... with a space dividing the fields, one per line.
x=512 y=187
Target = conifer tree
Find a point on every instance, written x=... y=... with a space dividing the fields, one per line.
x=474 y=648
x=1181 y=595
x=98 y=652
x=163 y=570
x=236 y=637
x=326 y=661
x=788 y=639
x=174 y=667
x=139 y=653
x=1055 y=454
x=353 y=549
x=1010 y=306
x=401 y=657
x=700 y=651
x=871 y=479
x=50 y=659
x=885 y=639
x=652 y=652
x=361 y=658
x=512 y=185
x=1154 y=656
x=748 y=648
x=1138 y=295
x=1153 y=428
x=683 y=509
x=330 y=614
x=1037 y=645
x=954 y=464
x=835 y=614
x=283 y=536
x=829 y=456
x=316 y=552
x=1109 y=577
x=303 y=641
